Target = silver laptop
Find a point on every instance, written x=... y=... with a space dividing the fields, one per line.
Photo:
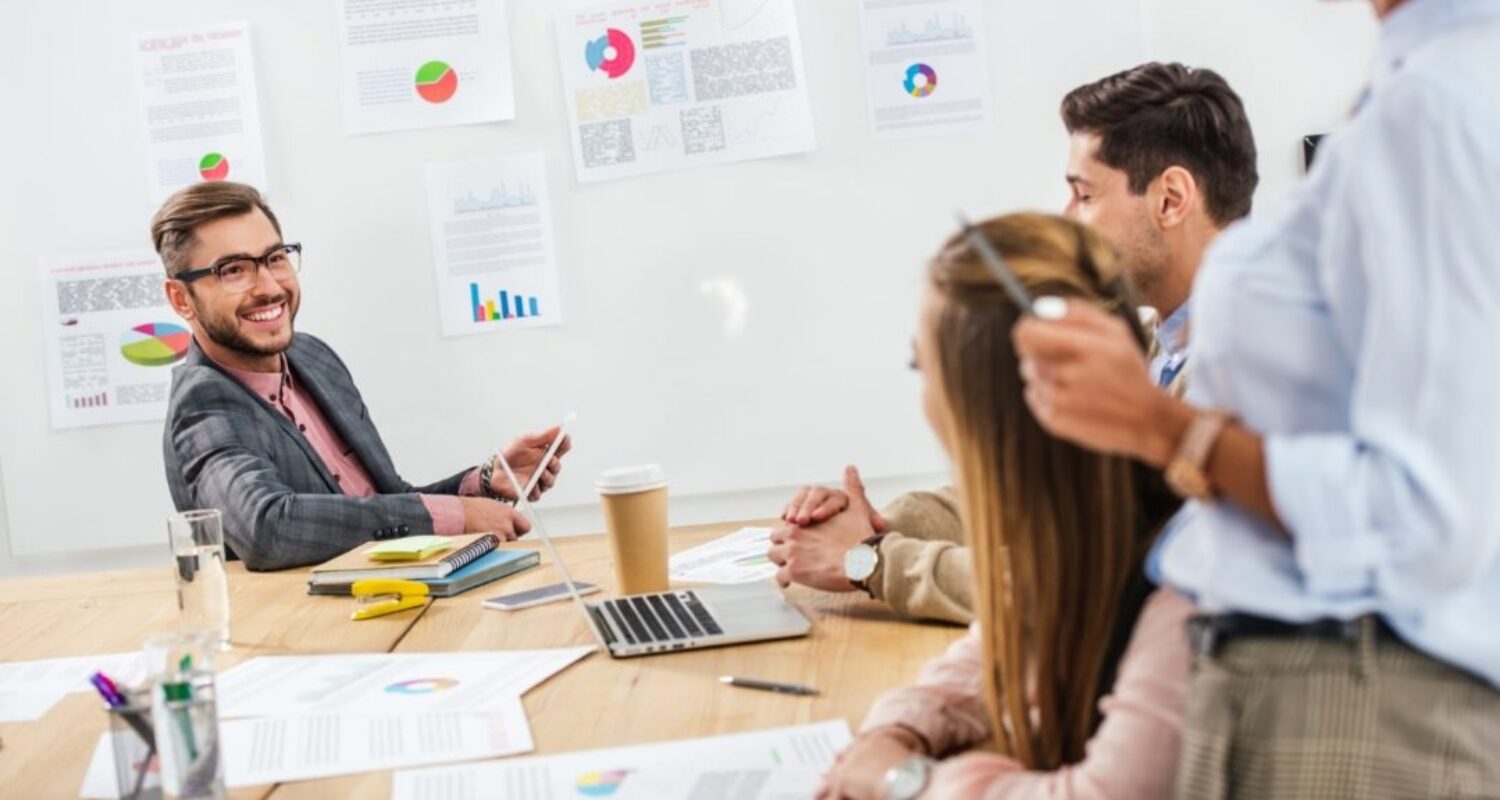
x=681 y=619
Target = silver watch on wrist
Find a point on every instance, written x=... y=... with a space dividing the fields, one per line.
x=909 y=778
x=861 y=561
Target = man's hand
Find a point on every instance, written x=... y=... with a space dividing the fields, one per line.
x=483 y=515
x=814 y=555
x=525 y=456
x=814 y=504
x=1087 y=382
x=859 y=772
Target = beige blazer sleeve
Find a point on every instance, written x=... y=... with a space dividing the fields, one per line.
x=925 y=569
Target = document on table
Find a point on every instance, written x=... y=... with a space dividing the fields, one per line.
x=678 y=769
x=110 y=337
x=926 y=68
x=670 y=84
x=199 y=107
x=424 y=63
x=275 y=749
x=29 y=688
x=492 y=248
x=739 y=557
x=387 y=683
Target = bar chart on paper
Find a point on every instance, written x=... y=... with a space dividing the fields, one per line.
x=502 y=306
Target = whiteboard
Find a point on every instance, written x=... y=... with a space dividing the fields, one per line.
x=826 y=249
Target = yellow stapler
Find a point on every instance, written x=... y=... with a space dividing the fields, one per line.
x=375 y=597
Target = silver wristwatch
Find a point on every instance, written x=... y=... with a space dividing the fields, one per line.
x=861 y=561
x=909 y=778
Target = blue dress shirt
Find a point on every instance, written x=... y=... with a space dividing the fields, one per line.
x=1358 y=330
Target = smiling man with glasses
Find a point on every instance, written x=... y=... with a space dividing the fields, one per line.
x=267 y=425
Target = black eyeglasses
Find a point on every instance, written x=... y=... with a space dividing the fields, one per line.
x=237 y=273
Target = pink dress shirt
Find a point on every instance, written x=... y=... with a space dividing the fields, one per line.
x=281 y=391
x=1132 y=756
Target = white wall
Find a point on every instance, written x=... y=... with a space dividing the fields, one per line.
x=828 y=246
x=1298 y=65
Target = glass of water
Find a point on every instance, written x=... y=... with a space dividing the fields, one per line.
x=197 y=539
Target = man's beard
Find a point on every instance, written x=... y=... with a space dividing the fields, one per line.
x=225 y=332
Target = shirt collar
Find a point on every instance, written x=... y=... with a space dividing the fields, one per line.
x=267 y=385
x=1418 y=21
x=1172 y=333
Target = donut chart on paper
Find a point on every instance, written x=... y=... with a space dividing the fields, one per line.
x=921 y=80
x=436 y=82
x=155 y=344
x=613 y=53
x=213 y=167
x=421 y=686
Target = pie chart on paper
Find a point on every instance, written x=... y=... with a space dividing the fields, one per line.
x=155 y=344
x=613 y=53
x=436 y=82
x=213 y=167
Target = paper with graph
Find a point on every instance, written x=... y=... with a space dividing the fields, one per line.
x=926 y=68
x=423 y=63
x=762 y=765
x=739 y=557
x=653 y=86
x=492 y=249
x=110 y=336
x=199 y=108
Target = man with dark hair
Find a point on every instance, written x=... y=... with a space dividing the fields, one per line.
x=267 y=425
x=1162 y=159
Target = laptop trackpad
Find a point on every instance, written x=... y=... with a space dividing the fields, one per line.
x=752 y=608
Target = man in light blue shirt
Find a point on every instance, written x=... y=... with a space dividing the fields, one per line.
x=1338 y=443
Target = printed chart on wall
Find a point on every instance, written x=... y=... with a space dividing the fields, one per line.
x=111 y=338
x=199 y=107
x=926 y=66
x=492 y=245
x=668 y=85
x=424 y=63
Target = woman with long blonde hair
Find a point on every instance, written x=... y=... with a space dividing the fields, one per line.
x=1072 y=683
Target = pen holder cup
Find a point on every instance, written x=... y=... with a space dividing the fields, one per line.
x=137 y=774
x=184 y=714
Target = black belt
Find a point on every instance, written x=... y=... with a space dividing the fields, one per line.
x=1209 y=632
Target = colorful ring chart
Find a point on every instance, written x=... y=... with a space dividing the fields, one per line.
x=421 y=686
x=601 y=784
x=155 y=344
x=921 y=88
x=436 y=82
x=213 y=167
x=597 y=53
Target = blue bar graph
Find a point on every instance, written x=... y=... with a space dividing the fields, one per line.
x=489 y=311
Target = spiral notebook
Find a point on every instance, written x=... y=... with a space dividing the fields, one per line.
x=357 y=565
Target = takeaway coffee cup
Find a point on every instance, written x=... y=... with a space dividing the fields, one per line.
x=635 y=514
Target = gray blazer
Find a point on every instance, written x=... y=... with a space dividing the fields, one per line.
x=228 y=448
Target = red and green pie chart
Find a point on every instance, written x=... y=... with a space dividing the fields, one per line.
x=436 y=82
x=213 y=167
x=155 y=344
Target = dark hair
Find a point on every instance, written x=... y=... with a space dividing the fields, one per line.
x=173 y=226
x=1156 y=116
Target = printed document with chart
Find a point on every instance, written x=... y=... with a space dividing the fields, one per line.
x=423 y=63
x=926 y=69
x=654 y=86
x=199 y=108
x=111 y=338
x=492 y=245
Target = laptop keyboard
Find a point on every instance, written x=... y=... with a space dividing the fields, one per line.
x=647 y=619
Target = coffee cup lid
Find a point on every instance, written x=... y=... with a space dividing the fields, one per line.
x=624 y=480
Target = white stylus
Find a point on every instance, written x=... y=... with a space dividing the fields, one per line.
x=536 y=477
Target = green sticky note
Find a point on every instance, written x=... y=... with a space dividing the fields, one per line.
x=410 y=548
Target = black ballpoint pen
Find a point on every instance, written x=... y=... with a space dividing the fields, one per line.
x=767 y=686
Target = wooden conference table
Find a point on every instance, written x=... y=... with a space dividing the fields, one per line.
x=857 y=650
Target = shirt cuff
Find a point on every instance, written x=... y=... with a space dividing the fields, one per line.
x=447 y=513
x=1316 y=490
x=469 y=486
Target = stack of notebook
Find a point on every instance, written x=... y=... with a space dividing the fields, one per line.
x=470 y=560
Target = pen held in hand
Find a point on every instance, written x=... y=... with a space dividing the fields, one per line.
x=768 y=686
